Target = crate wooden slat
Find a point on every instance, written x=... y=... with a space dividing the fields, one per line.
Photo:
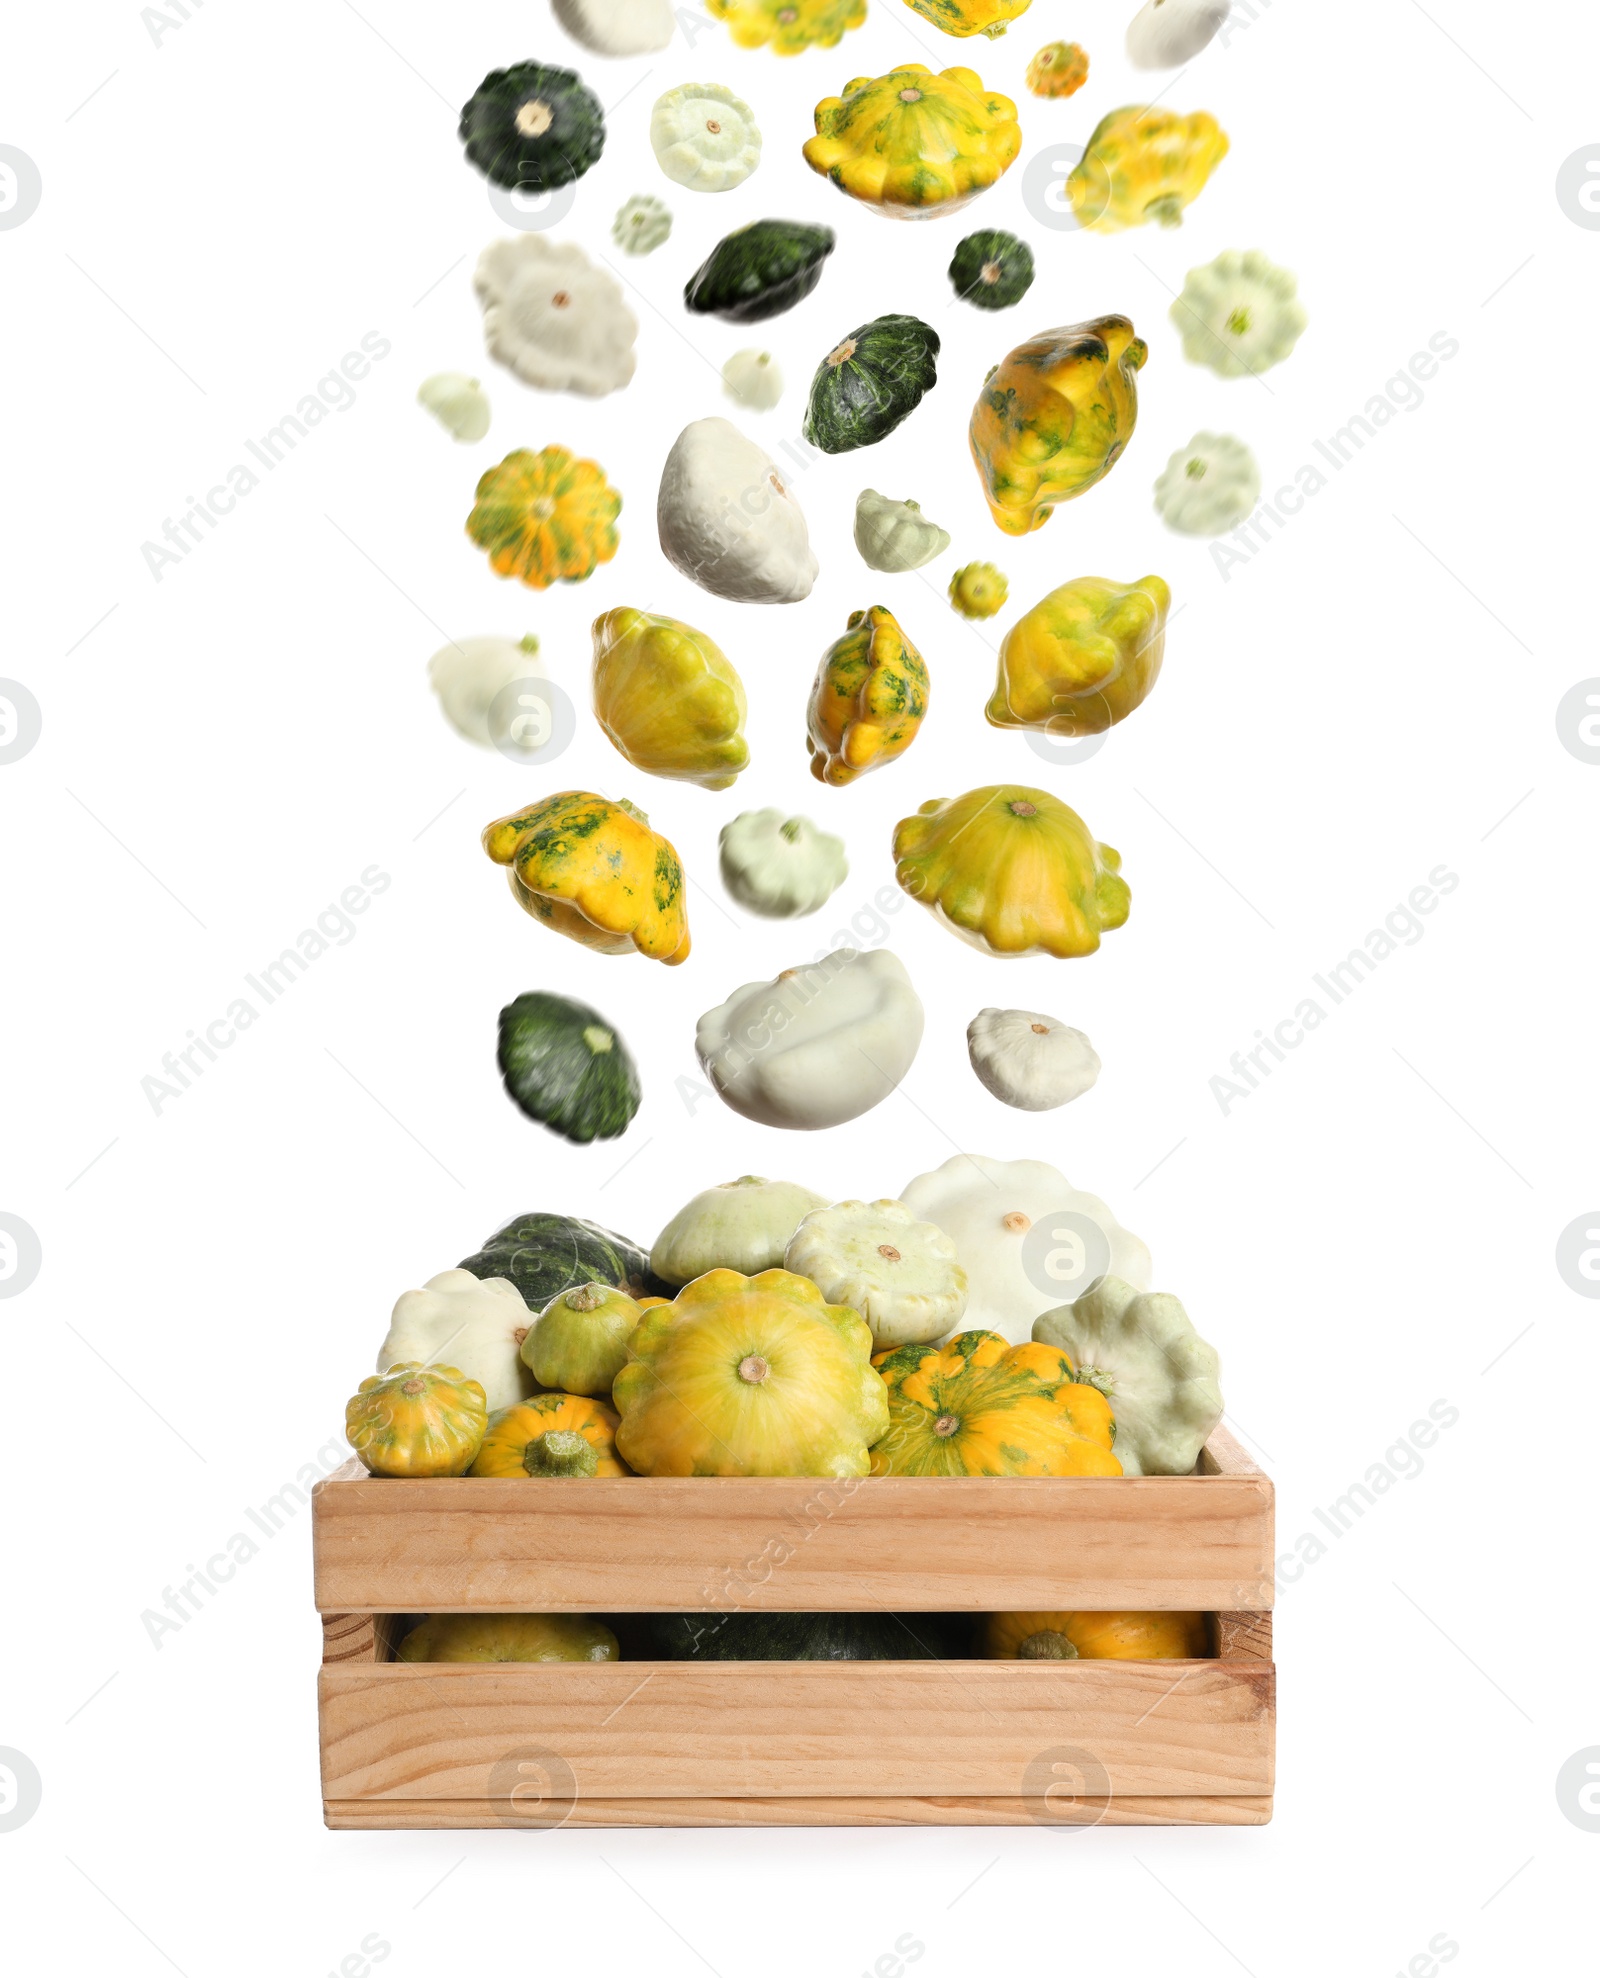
x=671 y=1730
x=977 y=1544
x=835 y=1744
x=972 y=1811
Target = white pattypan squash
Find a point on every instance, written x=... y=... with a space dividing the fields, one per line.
x=1209 y=486
x=895 y=536
x=642 y=225
x=1144 y=1355
x=1238 y=315
x=1030 y=1061
x=705 y=137
x=459 y=403
x=553 y=317
x=781 y=867
x=989 y=1210
x=617 y=27
x=900 y=1274
x=469 y=675
x=727 y=521
x=1165 y=33
x=476 y=1324
x=752 y=378
x=742 y=1226
x=818 y=1045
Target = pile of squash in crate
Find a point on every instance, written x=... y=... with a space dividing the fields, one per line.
x=770 y=1333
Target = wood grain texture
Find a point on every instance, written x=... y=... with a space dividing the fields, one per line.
x=1245 y=1637
x=1146 y=1810
x=973 y=1544
x=743 y=1730
x=357 y=1637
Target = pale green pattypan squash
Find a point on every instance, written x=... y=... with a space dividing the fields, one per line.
x=1238 y=315
x=469 y=675
x=1141 y=1351
x=990 y=1209
x=781 y=867
x=752 y=378
x=1166 y=33
x=459 y=403
x=896 y=536
x=1031 y=1061
x=705 y=137
x=742 y=1226
x=900 y=1274
x=1209 y=486
x=618 y=27
x=642 y=225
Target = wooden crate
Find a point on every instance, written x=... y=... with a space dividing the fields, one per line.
x=826 y=1744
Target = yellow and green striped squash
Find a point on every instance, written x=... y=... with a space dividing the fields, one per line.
x=1083 y=658
x=1053 y=417
x=966 y=17
x=1144 y=164
x=868 y=699
x=416 y=1420
x=594 y=870
x=788 y=27
x=980 y=1407
x=545 y=517
x=552 y=1435
x=911 y=144
x=1012 y=870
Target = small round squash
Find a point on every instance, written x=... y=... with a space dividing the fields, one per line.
x=553 y=1435
x=545 y=517
x=1129 y=1637
x=978 y=590
x=567 y=1068
x=416 y=1421
x=1060 y=68
x=992 y=270
x=1030 y=1061
x=509 y=1638
x=580 y=1343
x=532 y=126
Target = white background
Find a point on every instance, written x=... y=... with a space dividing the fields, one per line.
x=1370 y=696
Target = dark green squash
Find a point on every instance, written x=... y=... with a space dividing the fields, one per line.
x=566 y=1067
x=992 y=270
x=870 y=382
x=544 y=1255
x=759 y=271
x=748 y=1637
x=533 y=126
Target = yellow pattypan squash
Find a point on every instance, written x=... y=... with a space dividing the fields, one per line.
x=1082 y=658
x=509 y=1638
x=1144 y=164
x=553 y=1435
x=788 y=27
x=980 y=1407
x=595 y=871
x=416 y=1421
x=545 y=517
x=1013 y=871
x=750 y=1377
x=1059 y=69
x=911 y=144
x=868 y=699
x=1141 y=1637
x=1053 y=417
x=965 y=17
x=668 y=698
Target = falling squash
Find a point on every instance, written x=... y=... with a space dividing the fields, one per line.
x=911 y=144
x=868 y=699
x=545 y=517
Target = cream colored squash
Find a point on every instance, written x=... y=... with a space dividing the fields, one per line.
x=902 y=1275
x=988 y=1209
x=554 y=318
x=742 y=1226
x=618 y=27
x=477 y=1324
x=1030 y=1061
x=727 y=520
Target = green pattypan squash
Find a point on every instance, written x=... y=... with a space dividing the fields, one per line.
x=1238 y=315
x=1209 y=486
x=1141 y=1351
x=895 y=535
